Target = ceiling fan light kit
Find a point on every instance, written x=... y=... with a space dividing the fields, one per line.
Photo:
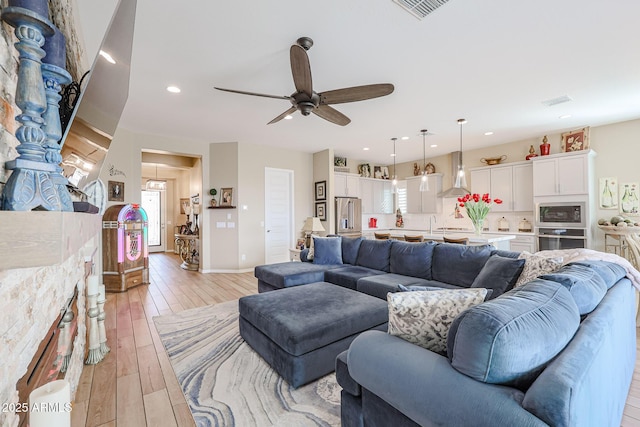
x=308 y=101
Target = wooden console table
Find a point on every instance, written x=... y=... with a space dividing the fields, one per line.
x=187 y=247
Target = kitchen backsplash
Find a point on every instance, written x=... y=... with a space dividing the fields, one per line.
x=421 y=221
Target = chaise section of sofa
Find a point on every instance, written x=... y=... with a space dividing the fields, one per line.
x=552 y=352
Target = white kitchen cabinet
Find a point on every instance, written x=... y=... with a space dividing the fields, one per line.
x=523 y=243
x=513 y=184
x=523 y=188
x=424 y=201
x=346 y=184
x=376 y=195
x=561 y=174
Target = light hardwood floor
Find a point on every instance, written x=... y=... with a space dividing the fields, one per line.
x=134 y=386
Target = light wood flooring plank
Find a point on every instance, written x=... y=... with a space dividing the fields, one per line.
x=158 y=409
x=150 y=372
x=130 y=403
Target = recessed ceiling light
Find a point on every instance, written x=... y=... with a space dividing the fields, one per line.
x=108 y=57
x=288 y=117
x=365 y=149
x=392 y=155
x=404 y=138
x=433 y=145
x=173 y=89
x=565 y=116
x=488 y=133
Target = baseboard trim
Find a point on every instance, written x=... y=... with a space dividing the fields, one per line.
x=215 y=270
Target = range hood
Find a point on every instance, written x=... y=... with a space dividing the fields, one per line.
x=460 y=191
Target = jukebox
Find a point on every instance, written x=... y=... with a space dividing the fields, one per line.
x=125 y=252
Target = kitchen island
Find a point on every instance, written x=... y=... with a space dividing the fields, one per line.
x=500 y=241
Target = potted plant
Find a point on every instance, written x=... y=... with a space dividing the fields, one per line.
x=213 y=192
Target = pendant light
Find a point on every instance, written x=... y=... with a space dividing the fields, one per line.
x=424 y=181
x=156 y=184
x=394 y=182
x=461 y=180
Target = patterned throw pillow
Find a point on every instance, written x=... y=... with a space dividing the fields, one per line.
x=311 y=253
x=536 y=265
x=424 y=317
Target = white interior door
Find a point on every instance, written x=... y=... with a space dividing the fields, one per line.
x=278 y=190
x=154 y=205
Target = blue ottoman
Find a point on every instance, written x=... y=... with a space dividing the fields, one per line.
x=299 y=331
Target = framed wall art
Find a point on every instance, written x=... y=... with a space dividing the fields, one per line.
x=116 y=191
x=226 y=197
x=629 y=204
x=575 y=140
x=321 y=211
x=183 y=203
x=321 y=190
x=608 y=191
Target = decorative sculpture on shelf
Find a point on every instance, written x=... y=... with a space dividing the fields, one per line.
x=399 y=220
x=36 y=180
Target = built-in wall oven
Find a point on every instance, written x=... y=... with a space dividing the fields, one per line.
x=561 y=225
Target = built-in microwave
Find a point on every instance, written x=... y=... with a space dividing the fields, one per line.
x=561 y=214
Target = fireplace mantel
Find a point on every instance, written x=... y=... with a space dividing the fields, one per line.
x=43 y=238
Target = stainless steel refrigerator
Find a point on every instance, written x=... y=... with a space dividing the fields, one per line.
x=348 y=216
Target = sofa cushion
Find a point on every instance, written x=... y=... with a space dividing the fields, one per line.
x=347 y=276
x=379 y=286
x=327 y=250
x=458 y=264
x=411 y=259
x=287 y=274
x=536 y=265
x=375 y=254
x=585 y=285
x=509 y=340
x=424 y=317
x=499 y=273
x=609 y=271
x=350 y=248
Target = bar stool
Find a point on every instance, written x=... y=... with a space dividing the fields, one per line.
x=382 y=236
x=462 y=241
x=414 y=238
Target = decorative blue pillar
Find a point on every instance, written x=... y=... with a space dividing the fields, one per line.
x=54 y=75
x=30 y=185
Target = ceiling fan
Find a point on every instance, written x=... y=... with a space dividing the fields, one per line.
x=308 y=101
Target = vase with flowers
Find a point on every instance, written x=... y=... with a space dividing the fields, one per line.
x=477 y=207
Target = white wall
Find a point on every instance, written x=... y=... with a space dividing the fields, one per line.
x=125 y=154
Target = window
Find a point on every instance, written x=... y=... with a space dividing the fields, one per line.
x=401 y=197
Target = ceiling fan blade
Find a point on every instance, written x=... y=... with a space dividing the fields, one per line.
x=357 y=93
x=331 y=114
x=301 y=69
x=253 y=93
x=283 y=115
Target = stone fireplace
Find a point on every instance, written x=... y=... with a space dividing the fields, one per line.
x=43 y=261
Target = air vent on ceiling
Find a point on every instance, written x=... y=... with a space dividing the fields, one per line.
x=420 y=8
x=559 y=100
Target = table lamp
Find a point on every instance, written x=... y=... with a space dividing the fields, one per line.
x=311 y=225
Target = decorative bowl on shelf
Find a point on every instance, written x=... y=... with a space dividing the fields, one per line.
x=493 y=160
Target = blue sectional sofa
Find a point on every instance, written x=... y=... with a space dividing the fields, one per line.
x=557 y=351
x=377 y=267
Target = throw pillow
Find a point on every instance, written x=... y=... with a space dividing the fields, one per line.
x=536 y=265
x=327 y=250
x=499 y=274
x=414 y=288
x=424 y=317
x=311 y=252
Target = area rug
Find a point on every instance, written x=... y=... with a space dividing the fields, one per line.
x=226 y=383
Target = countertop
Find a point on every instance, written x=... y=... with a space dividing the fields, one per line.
x=488 y=237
